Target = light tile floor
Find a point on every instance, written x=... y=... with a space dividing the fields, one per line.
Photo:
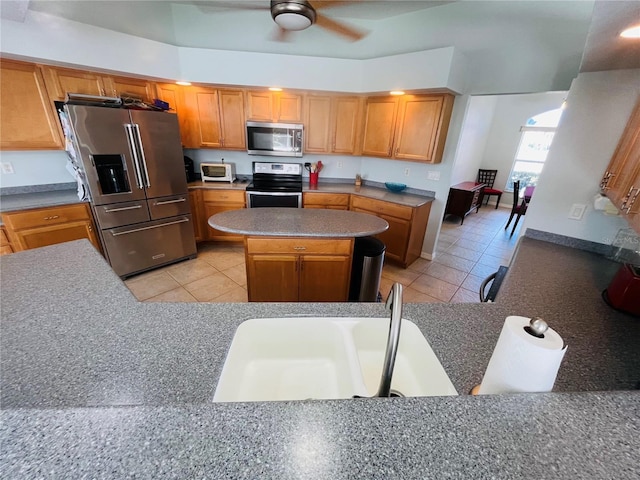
x=465 y=255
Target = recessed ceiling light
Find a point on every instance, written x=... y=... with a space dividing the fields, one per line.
x=186 y=84
x=275 y=89
x=633 y=32
x=396 y=92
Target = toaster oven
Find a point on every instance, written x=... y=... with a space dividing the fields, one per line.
x=218 y=172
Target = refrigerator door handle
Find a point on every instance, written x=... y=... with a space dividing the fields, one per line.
x=128 y=127
x=136 y=128
x=133 y=230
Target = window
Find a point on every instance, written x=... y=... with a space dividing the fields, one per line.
x=535 y=141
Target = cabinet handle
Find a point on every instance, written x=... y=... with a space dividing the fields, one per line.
x=604 y=184
x=299 y=248
x=397 y=149
x=630 y=199
x=53 y=217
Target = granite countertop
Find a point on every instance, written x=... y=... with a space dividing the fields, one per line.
x=97 y=384
x=298 y=222
x=24 y=201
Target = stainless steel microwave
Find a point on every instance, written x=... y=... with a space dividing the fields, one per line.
x=274 y=139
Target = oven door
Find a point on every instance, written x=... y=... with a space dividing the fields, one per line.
x=274 y=199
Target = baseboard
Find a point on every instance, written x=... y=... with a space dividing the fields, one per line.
x=427 y=256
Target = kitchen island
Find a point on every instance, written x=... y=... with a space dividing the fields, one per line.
x=295 y=254
x=96 y=384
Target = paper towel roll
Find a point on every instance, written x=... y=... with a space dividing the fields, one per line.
x=522 y=362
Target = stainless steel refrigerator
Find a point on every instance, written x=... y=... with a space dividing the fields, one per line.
x=133 y=167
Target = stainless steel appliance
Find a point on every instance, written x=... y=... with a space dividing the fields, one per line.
x=275 y=185
x=132 y=163
x=275 y=139
x=218 y=172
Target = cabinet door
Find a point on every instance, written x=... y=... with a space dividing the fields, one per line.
x=289 y=107
x=346 y=120
x=380 y=121
x=124 y=86
x=260 y=106
x=273 y=278
x=52 y=234
x=396 y=238
x=324 y=278
x=205 y=117
x=417 y=127
x=620 y=182
x=61 y=81
x=213 y=234
x=197 y=215
x=174 y=95
x=28 y=120
x=232 y=122
x=5 y=246
x=317 y=124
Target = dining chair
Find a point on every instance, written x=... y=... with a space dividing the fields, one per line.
x=518 y=208
x=488 y=177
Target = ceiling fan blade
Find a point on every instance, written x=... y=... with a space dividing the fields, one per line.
x=320 y=4
x=340 y=28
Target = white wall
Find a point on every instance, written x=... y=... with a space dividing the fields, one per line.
x=510 y=113
x=598 y=107
x=35 y=168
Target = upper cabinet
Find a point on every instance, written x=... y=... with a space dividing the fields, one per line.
x=28 y=120
x=216 y=118
x=174 y=95
x=332 y=124
x=267 y=106
x=621 y=181
x=411 y=127
x=61 y=81
x=134 y=87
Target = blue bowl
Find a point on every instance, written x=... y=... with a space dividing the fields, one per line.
x=395 y=187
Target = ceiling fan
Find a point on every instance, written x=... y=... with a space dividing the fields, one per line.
x=296 y=15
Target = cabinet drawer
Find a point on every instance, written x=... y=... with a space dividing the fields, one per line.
x=326 y=246
x=321 y=199
x=223 y=196
x=378 y=206
x=46 y=216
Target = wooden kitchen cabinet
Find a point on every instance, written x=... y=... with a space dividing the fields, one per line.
x=411 y=127
x=407 y=227
x=216 y=118
x=332 y=124
x=621 y=181
x=463 y=199
x=134 y=87
x=61 y=81
x=174 y=95
x=332 y=201
x=298 y=269
x=28 y=119
x=5 y=245
x=217 y=201
x=197 y=215
x=40 y=227
x=267 y=106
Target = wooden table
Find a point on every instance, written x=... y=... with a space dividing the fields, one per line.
x=463 y=199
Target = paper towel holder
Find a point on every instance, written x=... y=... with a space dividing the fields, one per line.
x=537 y=326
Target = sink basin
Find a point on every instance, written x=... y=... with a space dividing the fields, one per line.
x=325 y=358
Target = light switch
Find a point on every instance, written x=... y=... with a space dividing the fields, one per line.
x=577 y=211
x=433 y=175
x=7 y=168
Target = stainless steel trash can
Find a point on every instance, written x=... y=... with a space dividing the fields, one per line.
x=366 y=268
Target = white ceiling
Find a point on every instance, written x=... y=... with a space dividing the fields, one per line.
x=474 y=27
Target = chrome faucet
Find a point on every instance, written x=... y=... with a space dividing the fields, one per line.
x=393 y=303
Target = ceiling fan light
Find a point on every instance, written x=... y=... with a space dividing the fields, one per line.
x=293 y=21
x=633 y=32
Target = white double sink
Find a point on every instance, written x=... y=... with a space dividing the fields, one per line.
x=325 y=358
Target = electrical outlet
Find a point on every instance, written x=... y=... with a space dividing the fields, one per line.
x=577 y=211
x=433 y=175
x=406 y=172
x=339 y=164
x=7 y=168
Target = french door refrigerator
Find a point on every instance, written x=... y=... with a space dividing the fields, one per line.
x=133 y=167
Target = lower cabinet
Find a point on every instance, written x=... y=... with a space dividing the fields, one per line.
x=407 y=227
x=298 y=269
x=333 y=201
x=40 y=227
x=218 y=201
x=5 y=246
